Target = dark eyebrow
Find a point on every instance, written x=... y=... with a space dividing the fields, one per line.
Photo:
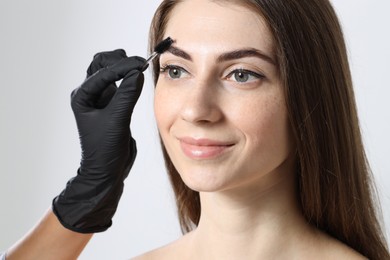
x=251 y=52
x=233 y=55
x=180 y=53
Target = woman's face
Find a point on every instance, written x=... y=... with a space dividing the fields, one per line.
x=219 y=104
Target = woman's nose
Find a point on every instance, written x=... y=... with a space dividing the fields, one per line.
x=202 y=103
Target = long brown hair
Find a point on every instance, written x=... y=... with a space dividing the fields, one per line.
x=335 y=182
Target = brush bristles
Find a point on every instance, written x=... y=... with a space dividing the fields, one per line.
x=159 y=49
x=163 y=46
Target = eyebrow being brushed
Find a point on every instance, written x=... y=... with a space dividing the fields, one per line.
x=231 y=55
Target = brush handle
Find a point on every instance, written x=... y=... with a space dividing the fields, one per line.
x=151 y=58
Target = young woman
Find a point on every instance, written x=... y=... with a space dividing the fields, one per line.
x=267 y=85
x=256 y=113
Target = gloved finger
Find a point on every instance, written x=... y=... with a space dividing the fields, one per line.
x=93 y=87
x=128 y=92
x=106 y=96
x=101 y=60
x=105 y=59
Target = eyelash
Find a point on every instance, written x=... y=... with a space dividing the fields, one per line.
x=245 y=72
x=165 y=69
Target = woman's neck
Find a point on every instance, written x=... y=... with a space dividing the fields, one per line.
x=258 y=220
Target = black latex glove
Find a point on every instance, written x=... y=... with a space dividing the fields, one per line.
x=103 y=112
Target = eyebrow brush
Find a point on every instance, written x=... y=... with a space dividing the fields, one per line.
x=160 y=48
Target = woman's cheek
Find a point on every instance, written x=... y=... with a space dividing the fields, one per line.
x=165 y=105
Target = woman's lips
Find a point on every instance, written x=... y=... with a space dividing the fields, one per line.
x=203 y=148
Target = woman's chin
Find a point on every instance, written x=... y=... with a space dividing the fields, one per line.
x=204 y=182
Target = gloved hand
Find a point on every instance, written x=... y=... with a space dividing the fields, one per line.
x=103 y=112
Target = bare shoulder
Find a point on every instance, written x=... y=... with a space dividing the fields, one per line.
x=164 y=252
x=169 y=251
x=321 y=247
x=331 y=248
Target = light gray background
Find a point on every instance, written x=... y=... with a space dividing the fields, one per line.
x=45 y=48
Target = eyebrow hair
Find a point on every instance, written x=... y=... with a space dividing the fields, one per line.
x=180 y=53
x=232 y=55
x=250 y=52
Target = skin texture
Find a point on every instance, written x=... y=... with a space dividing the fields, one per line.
x=49 y=240
x=246 y=178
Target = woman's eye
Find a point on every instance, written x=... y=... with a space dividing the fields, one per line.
x=244 y=76
x=174 y=72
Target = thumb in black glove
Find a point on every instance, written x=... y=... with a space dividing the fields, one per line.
x=103 y=114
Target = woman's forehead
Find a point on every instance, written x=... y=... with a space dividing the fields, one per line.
x=204 y=24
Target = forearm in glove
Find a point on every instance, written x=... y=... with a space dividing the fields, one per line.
x=103 y=113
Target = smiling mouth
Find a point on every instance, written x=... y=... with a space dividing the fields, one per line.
x=201 y=149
